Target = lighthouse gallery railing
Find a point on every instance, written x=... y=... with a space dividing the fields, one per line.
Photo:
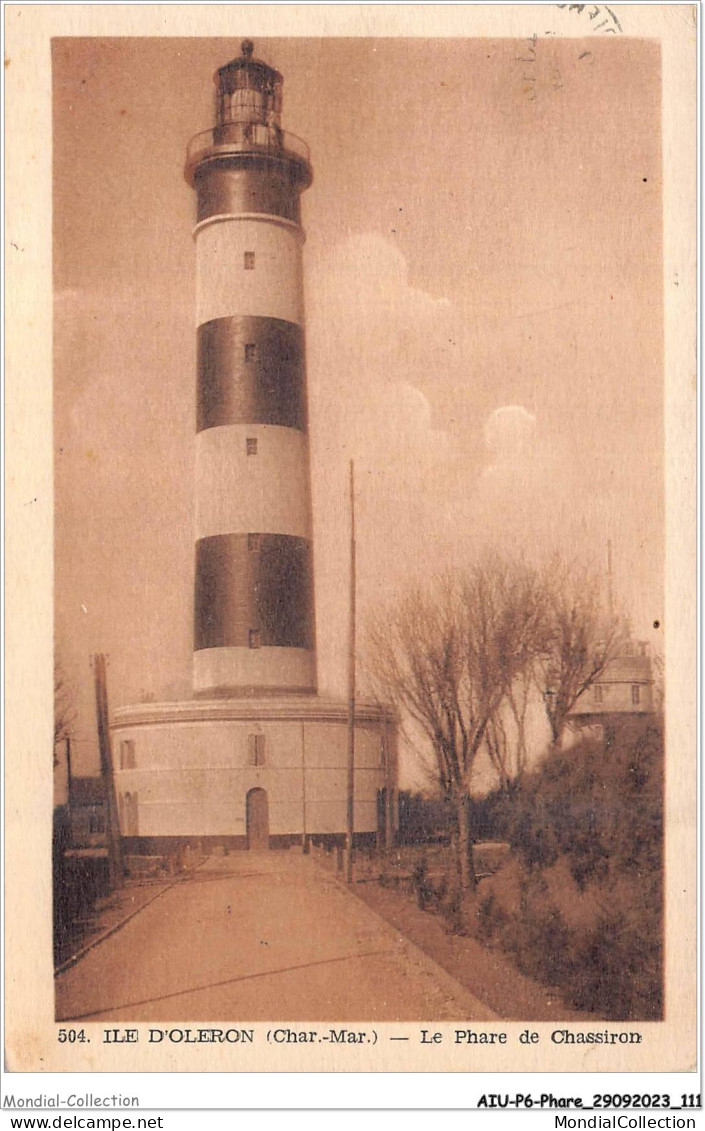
x=245 y=137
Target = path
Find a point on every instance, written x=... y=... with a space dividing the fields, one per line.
x=256 y=937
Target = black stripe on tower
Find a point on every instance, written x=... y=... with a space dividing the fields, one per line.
x=251 y=371
x=239 y=184
x=253 y=581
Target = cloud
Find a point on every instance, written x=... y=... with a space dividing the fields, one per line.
x=367 y=320
x=371 y=337
x=374 y=342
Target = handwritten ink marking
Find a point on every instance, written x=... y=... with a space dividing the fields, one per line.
x=531 y=48
x=608 y=26
x=613 y=17
x=529 y=57
x=530 y=75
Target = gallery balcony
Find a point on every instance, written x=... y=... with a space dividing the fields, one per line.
x=248 y=140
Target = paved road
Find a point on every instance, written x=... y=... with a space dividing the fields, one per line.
x=256 y=937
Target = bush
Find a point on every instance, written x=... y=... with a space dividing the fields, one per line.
x=421 y=885
x=453 y=910
x=580 y=907
x=424 y=820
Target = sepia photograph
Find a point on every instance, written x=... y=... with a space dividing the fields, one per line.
x=360 y=556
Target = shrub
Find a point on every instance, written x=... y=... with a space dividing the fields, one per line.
x=454 y=911
x=422 y=888
x=581 y=905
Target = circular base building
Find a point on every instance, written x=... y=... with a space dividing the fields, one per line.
x=251 y=773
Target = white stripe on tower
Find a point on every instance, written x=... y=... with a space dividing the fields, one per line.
x=238 y=493
x=272 y=288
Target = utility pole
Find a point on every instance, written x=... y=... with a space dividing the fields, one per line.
x=305 y=846
x=68 y=773
x=106 y=772
x=390 y=776
x=351 y=690
x=68 y=788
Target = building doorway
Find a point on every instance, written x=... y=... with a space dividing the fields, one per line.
x=257 y=810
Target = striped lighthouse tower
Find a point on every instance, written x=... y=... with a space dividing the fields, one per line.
x=253 y=602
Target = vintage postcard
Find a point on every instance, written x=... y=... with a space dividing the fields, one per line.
x=351 y=538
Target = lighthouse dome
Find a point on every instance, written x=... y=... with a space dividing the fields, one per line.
x=249 y=91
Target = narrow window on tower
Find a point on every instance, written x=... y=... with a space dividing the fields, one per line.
x=255 y=749
x=598 y=693
x=127 y=754
x=249 y=260
x=251 y=446
x=253 y=543
x=254 y=638
x=250 y=351
x=636 y=694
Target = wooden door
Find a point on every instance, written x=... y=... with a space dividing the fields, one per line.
x=257 y=820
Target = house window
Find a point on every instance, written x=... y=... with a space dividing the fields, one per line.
x=251 y=446
x=254 y=638
x=249 y=260
x=127 y=754
x=598 y=693
x=636 y=694
x=255 y=751
x=96 y=821
x=253 y=543
x=250 y=351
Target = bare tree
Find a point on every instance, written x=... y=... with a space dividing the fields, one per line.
x=505 y=735
x=500 y=751
x=583 y=636
x=505 y=738
x=446 y=656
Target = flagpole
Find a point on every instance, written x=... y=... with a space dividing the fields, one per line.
x=351 y=690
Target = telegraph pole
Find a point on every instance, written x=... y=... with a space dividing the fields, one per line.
x=106 y=772
x=68 y=773
x=351 y=690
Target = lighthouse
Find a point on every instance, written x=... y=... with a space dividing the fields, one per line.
x=256 y=758
x=253 y=605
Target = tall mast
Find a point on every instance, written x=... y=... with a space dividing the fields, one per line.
x=351 y=687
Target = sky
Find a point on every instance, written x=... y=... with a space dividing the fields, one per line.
x=483 y=279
